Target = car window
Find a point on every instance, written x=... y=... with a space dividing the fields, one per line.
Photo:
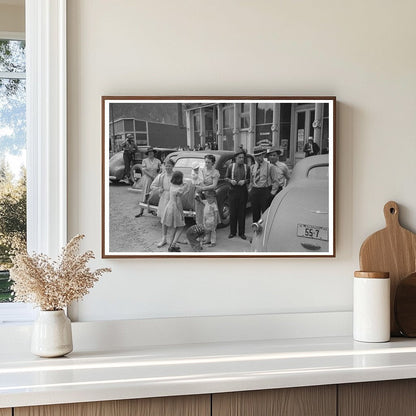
x=318 y=172
x=184 y=164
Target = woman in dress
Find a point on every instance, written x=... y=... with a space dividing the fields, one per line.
x=161 y=186
x=150 y=169
x=208 y=180
x=172 y=216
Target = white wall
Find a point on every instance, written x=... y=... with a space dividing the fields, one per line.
x=363 y=52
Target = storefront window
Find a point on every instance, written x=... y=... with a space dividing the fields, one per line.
x=245 y=116
x=325 y=130
x=209 y=126
x=228 y=115
x=264 y=120
x=264 y=135
x=264 y=113
x=300 y=134
x=284 y=133
x=228 y=142
x=197 y=127
x=312 y=119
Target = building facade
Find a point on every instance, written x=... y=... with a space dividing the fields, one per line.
x=287 y=126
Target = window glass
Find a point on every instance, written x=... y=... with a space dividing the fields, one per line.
x=141 y=139
x=196 y=121
x=228 y=116
x=245 y=116
x=312 y=119
x=186 y=162
x=228 y=139
x=264 y=113
x=325 y=135
x=209 y=126
x=325 y=130
x=264 y=134
x=128 y=125
x=301 y=131
x=119 y=127
x=185 y=165
x=140 y=125
x=285 y=112
x=285 y=139
x=12 y=56
x=12 y=155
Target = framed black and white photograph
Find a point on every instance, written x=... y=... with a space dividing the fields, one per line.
x=218 y=176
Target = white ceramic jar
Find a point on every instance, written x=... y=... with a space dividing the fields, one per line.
x=371 y=309
x=52 y=334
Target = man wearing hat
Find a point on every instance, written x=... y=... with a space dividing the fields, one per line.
x=129 y=149
x=311 y=148
x=283 y=173
x=264 y=183
x=238 y=176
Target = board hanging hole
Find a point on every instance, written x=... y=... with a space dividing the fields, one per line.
x=392 y=211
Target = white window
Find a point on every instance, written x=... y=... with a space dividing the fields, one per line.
x=12 y=164
x=46 y=134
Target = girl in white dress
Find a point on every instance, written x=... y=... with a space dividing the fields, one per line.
x=172 y=216
x=161 y=186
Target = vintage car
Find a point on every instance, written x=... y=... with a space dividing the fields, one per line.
x=184 y=161
x=116 y=164
x=297 y=219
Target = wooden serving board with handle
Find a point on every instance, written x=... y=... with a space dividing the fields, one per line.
x=393 y=250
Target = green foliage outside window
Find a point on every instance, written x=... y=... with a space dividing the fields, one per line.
x=12 y=147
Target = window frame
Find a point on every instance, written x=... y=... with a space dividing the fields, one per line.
x=46 y=137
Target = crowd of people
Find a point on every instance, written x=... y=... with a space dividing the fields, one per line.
x=258 y=183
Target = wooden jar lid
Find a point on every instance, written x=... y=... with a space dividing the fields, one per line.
x=372 y=275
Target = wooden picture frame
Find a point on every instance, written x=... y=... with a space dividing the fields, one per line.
x=282 y=137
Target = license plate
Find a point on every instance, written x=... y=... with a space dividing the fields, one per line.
x=313 y=231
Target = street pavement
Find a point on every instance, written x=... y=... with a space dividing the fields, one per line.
x=141 y=235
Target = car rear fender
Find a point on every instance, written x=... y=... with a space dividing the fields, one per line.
x=280 y=212
x=269 y=215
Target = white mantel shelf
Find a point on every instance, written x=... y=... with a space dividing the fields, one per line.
x=167 y=370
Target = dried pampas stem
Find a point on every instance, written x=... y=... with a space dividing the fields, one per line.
x=53 y=285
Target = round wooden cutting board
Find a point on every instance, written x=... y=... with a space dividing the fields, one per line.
x=405 y=306
x=393 y=250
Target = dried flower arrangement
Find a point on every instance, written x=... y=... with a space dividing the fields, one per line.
x=53 y=285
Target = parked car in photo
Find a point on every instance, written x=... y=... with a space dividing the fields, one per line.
x=297 y=219
x=116 y=164
x=184 y=161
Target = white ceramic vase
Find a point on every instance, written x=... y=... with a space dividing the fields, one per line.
x=52 y=334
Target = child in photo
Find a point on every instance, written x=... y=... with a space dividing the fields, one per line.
x=195 y=235
x=211 y=217
x=173 y=216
